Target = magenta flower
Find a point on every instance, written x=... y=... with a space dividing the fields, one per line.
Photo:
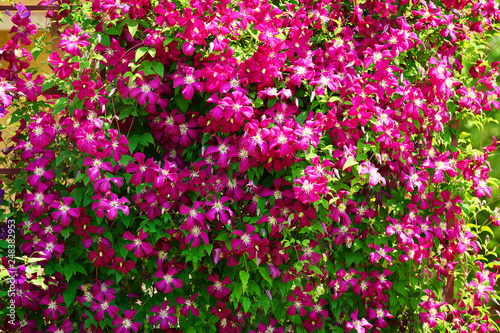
x=309 y=190
x=246 y=239
x=375 y=177
x=102 y=304
x=125 y=324
x=49 y=247
x=54 y=309
x=109 y=205
x=189 y=82
x=357 y=324
x=32 y=88
x=65 y=328
x=299 y=301
x=144 y=90
x=73 y=39
x=167 y=282
x=237 y=106
x=196 y=234
x=5 y=98
x=63 y=211
x=117 y=145
x=85 y=87
x=193 y=215
x=218 y=210
x=97 y=164
x=62 y=68
x=431 y=315
x=380 y=253
x=38 y=167
x=23 y=27
x=165 y=315
x=144 y=170
x=218 y=290
x=271 y=328
x=141 y=249
x=103 y=256
x=378 y=314
x=122 y=266
x=189 y=305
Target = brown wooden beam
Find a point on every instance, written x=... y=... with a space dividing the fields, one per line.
x=11 y=171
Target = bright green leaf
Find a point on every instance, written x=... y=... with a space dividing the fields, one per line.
x=60 y=105
x=244 y=276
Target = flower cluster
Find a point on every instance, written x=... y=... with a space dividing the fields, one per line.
x=253 y=166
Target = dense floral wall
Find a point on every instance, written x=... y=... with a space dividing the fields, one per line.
x=262 y=166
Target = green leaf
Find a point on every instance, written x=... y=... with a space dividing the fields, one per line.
x=261 y=205
x=60 y=158
x=349 y=163
x=132 y=27
x=246 y=304
x=181 y=102
x=133 y=142
x=258 y=103
x=244 y=276
x=69 y=270
x=60 y=105
x=70 y=293
x=77 y=193
x=80 y=268
x=148 y=137
x=105 y=40
x=140 y=52
x=487 y=229
x=271 y=102
x=35 y=52
x=47 y=84
x=316 y=270
x=265 y=274
x=114 y=31
x=301 y=118
x=158 y=68
x=237 y=291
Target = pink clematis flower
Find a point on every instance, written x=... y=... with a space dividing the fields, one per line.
x=375 y=177
x=188 y=305
x=165 y=315
x=73 y=39
x=357 y=324
x=64 y=211
x=168 y=282
x=102 y=304
x=189 y=82
x=54 y=308
x=109 y=205
x=103 y=256
x=125 y=324
x=218 y=290
x=141 y=249
x=143 y=170
x=144 y=90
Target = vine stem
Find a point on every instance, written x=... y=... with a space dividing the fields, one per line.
x=128 y=287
